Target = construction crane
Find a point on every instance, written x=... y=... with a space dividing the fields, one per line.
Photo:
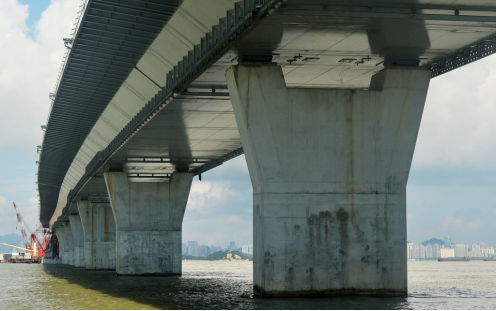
x=34 y=251
x=21 y=224
x=33 y=244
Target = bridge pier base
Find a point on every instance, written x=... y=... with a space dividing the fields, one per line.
x=99 y=235
x=149 y=221
x=329 y=169
x=78 y=235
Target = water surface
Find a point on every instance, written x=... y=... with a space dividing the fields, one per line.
x=228 y=285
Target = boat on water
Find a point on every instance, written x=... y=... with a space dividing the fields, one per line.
x=454 y=259
x=490 y=259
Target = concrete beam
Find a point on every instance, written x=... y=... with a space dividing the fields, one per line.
x=99 y=235
x=149 y=220
x=329 y=170
x=78 y=235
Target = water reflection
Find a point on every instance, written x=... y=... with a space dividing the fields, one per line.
x=220 y=285
x=196 y=290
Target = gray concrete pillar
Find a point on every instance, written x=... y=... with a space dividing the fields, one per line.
x=68 y=244
x=148 y=221
x=61 y=238
x=329 y=170
x=78 y=235
x=99 y=235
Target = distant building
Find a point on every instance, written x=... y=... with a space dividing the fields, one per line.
x=245 y=249
x=461 y=250
x=447 y=241
x=184 y=249
x=250 y=249
x=447 y=252
x=214 y=249
x=192 y=245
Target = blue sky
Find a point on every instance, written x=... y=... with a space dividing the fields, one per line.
x=36 y=7
x=452 y=179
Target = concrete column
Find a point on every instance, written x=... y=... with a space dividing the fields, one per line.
x=61 y=238
x=329 y=170
x=69 y=244
x=78 y=235
x=99 y=235
x=148 y=222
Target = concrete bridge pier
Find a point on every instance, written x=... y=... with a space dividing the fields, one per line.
x=149 y=219
x=99 y=235
x=61 y=239
x=78 y=235
x=68 y=245
x=329 y=169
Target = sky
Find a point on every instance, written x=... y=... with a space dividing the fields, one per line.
x=451 y=189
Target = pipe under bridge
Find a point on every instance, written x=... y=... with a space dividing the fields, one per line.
x=323 y=97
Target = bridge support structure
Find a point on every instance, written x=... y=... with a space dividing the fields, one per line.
x=329 y=169
x=78 y=236
x=149 y=222
x=99 y=235
x=68 y=258
x=62 y=242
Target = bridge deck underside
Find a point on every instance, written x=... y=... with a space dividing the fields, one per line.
x=319 y=44
x=204 y=128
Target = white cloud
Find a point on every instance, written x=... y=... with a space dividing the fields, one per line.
x=204 y=197
x=476 y=225
x=29 y=69
x=451 y=222
x=459 y=121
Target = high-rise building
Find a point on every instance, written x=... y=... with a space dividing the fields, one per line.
x=436 y=250
x=250 y=249
x=183 y=248
x=192 y=245
x=447 y=253
x=447 y=241
x=460 y=250
x=214 y=249
x=244 y=249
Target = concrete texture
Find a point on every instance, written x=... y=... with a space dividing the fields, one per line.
x=69 y=245
x=61 y=238
x=329 y=170
x=149 y=220
x=99 y=235
x=78 y=236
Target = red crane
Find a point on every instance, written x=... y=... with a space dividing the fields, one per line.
x=21 y=224
x=38 y=248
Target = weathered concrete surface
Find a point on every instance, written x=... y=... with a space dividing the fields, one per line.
x=148 y=220
x=69 y=245
x=78 y=235
x=99 y=235
x=61 y=238
x=329 y=170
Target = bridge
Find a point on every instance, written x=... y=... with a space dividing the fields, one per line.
x=324 y=98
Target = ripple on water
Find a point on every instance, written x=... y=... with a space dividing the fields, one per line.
x=228 y=285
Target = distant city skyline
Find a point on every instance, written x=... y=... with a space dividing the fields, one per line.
x=193 y=248
x=448 y=249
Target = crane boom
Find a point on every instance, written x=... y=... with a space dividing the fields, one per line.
x=21 y=223
x=16 y=247
x=33 y=244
